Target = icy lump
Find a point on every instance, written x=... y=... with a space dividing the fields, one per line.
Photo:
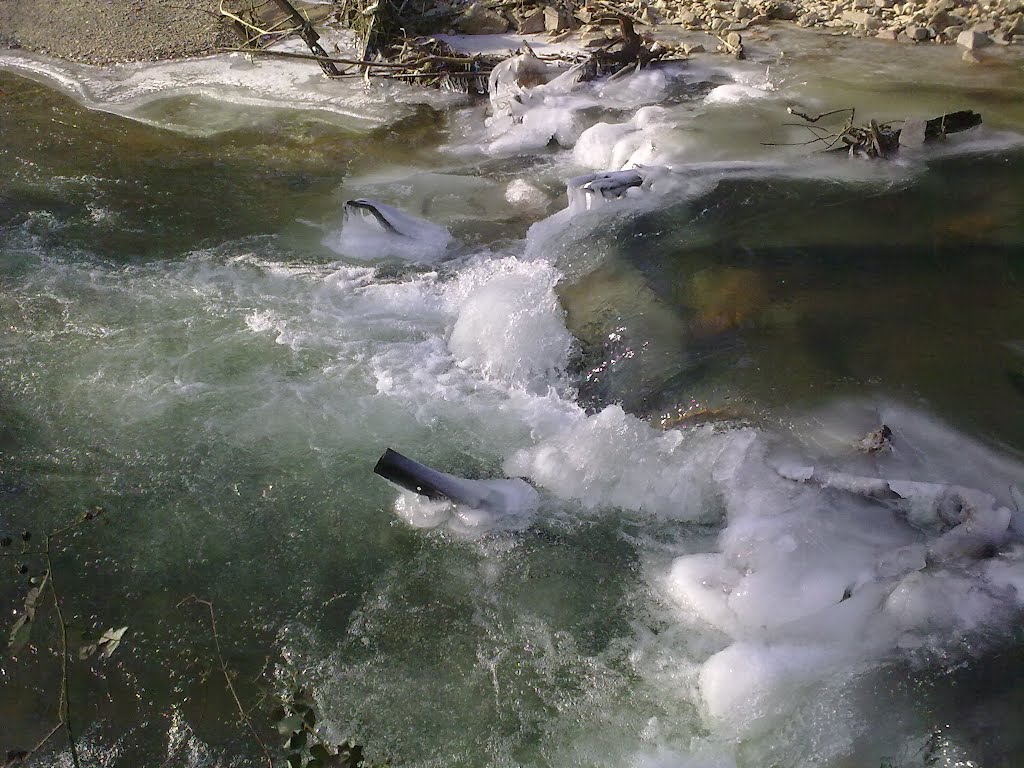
x=822 y=573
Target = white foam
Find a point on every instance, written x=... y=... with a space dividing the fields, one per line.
x=510 y=325
x=514 y=505
x=522 y=193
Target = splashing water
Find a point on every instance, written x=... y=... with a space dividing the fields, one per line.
x=750 y=587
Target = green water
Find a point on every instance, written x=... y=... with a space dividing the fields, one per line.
x=140 y=270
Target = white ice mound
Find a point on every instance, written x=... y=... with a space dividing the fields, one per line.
x=518 y=501
x=511 y=80
x=372 y=230
x=735 y=93
x=534 y=102
x=510 y=325
x=641 y=140
x=531 y=106
x=824 y=570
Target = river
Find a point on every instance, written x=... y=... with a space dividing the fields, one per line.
x=716 y=573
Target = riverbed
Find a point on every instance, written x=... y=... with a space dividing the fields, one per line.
x=198 y=344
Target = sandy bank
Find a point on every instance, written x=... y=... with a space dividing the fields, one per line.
x=111 y=31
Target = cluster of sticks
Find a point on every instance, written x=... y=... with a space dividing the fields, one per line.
x=388 y=51
x=879 y=140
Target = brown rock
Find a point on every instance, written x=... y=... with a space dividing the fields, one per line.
x=478 y=19
x=783 y=11
x=532 y=23
x=972 y=39
x=862 y=19
x=1014 y=25
x=556 y=19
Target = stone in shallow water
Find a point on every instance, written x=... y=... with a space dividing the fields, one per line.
x=972 y=39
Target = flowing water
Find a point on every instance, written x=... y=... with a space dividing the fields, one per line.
x=193 y=342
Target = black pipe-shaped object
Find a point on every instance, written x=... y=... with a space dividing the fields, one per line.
x=421 y=479
x=503 y=496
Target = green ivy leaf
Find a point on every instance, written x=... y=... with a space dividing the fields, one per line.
x=289 y=725
x=297 y=741
x=109 y=641
x=320 y=752
x=21 y=632
x=86 y=651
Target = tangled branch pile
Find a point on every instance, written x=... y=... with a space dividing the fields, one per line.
x=386 y=34
x=882 y=140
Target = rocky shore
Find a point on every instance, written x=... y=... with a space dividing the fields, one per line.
x=971 y=25
x=112 y=31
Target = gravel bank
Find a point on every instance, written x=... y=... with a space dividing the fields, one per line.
x=111 y=31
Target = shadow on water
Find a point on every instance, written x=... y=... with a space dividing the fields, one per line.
x=789 y=292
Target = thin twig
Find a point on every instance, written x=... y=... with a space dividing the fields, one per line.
x=227 y=676
x=808 y=118
x=64 y=707
x=22 y=758
x=359 y=62
x=64 y=703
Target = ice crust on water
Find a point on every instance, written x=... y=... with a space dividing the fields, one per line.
x=811 y=584
x=362 y=236
x=129 y=89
